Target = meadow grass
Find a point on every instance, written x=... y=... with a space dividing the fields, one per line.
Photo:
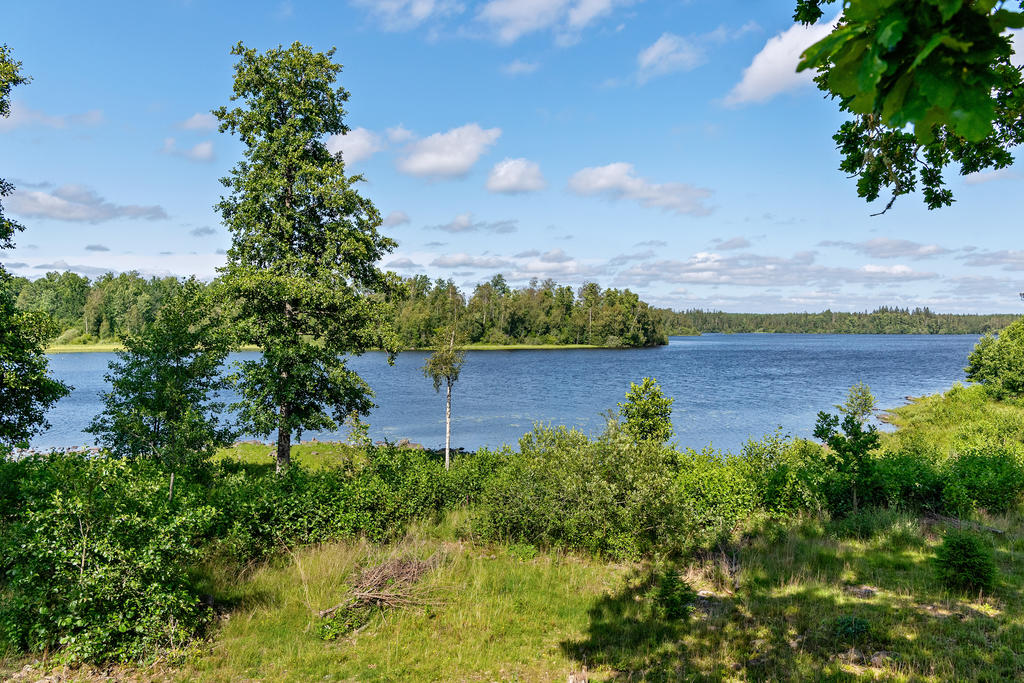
x=961 y=415
x=801 y=601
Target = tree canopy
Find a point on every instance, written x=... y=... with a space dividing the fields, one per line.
x=26 y=392
x=301 y=268
x=939 y=67
x=161 y=403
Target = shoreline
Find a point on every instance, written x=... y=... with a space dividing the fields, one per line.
x=114 y=346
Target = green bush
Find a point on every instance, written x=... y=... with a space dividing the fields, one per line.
x=965 y=561
x=94 y=559
x=997 y=362
x=260 y=513
x=989 y=478
x=674 y=597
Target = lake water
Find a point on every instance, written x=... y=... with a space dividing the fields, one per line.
x=727 y=388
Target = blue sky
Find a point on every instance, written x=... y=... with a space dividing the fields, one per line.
x=667 y=147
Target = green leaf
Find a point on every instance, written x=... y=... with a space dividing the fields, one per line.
x=929 y=47
x=890 y=30
x=973 y=114
x=1004 y=19
x=893 y=102
x=872 y=67
x=940 y=91
x=821 y=51
x=947 y=8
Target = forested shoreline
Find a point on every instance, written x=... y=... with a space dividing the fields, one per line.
x=107 y=308
x=882 y=320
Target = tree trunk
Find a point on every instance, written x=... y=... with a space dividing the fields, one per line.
x=284 y=441
x=448 y=427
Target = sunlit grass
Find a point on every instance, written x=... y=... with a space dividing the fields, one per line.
x=794 y=603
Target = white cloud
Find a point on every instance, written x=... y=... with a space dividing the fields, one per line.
x=619 y=181
x=1017 y=58
x=519 y=67
x=734 y=243
x=200 y=121
x=402 y=15
x=1009 y=259
x=448 y=155
x=356 y=145
x=555 y=256
x=467 y=261
x=982 y=177
x=773 y=69
x=514 y=176
x=668 y=54
x=464 y=223
x=202 y=151
x=77 y=203
x=395 y=218
x=22 y=116
x=885 y=247
x=402 y=264
x=400 y=134
x=753 y=270
x=512 y=19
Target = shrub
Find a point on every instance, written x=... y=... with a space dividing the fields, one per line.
x=997 y=362
x=848 y=454
x=647 y=412
x=674 y=597
x=965 y=561
x=94 y=560
x=991 y=478
x=850 y=630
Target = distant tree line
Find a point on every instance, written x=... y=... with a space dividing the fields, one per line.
x=883 y=320
x=112 y=307
x=539 y=313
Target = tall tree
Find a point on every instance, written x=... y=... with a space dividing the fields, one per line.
x=942 y=67
x=443 y=366
x=305 y=243
x=26 y=392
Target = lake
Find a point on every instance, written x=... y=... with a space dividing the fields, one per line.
x=727 y=388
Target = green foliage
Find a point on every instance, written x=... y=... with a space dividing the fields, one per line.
x=614 y=495
x=941 y=66
x=259 y=515
x=304 y=244
x=997 y=362
x=849 y=452
x=674 y=597
x=860 y=402
x=444 y=364
x=647 y=412
x=26 y=391
x=94 y=559
x=851 y=630
x=539 y=313
x=965 y=561
x=160 y=404
x=345 y=620
x=883 y=320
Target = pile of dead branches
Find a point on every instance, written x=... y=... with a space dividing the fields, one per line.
x=387 y=585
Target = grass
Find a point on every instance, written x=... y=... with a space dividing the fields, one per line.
x=800 y=601
x=797 y=602
x=961 y=415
